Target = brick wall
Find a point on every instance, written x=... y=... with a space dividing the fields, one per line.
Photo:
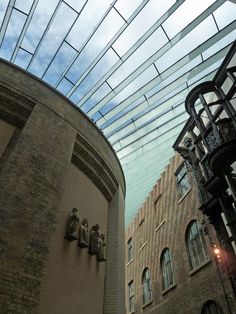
x=35 y=172
x=166 y=218
x=30 y=190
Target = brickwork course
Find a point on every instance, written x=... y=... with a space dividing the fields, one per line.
x=161 y=223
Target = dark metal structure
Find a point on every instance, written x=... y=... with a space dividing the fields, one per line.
x=207 y=143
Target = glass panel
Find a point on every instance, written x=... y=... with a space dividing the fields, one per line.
x=203 y=75
x=130 y=249
x=23 y=5
x=147 y=49
x=202 y=32
x=38 y=23
x=120 y=118
x=22 y=59
x=219 y=44
x=85 y=24
x=97 y=96
x=96 y=116
x=210 y=97
x=225 y=14
x=98 y=71
x=226 y=85
x=178 y=73
x=51 y=43
x=76 y=4
x=126 y=8
x=13 y=32
x=59 y=64
x=214 y=109
x=140 y=81
x=186 y=13
x=152 y=11
x=3 y=7
x=64 y=86
x=197 y=245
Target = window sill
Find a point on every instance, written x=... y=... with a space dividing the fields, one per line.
x=196 y=269
x=172 y=286
x=129 y=262
x=146 y=304
x=183 y=197
x=160 y=225
x=144 y=244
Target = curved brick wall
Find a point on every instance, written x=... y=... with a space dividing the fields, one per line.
x=53 y=158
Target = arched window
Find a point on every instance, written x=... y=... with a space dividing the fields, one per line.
x=146 y=285
x=166 y=269
x=196 y=244
x=210 y=307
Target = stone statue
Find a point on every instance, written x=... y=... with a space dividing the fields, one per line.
x=83 y=234
x=101 y=248
x=93 y=240
x=72 y=225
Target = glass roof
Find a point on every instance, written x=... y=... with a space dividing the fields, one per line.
x=128 y=64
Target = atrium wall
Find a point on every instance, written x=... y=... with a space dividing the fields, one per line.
x=53 y=159
x=162 y=222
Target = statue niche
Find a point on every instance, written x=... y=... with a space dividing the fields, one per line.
x=72 y=225
x=93 y=240
x=101 y=248
x=83 y=234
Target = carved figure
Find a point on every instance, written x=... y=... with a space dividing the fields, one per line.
x=101 y=248
x=83 y=234
x=72 y=225
x=93 y=240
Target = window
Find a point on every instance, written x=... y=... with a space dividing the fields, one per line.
x=130 y=249
x=196 y=244
x=146 y=285
x=131 y=296
x=210 y=307
x=166 y=269
x=182 y=181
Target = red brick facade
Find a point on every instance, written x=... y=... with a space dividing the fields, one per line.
x=162 y=223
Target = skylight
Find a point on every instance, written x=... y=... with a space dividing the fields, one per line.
x=127 y=64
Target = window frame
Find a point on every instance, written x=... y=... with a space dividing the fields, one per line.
x=131 y=296
x=130 y=249
x=146 y=287
x=180 y=178
x=196 y=245
x=166 y=269
x=207 y=310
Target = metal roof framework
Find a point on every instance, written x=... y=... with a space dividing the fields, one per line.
x=129 y=67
